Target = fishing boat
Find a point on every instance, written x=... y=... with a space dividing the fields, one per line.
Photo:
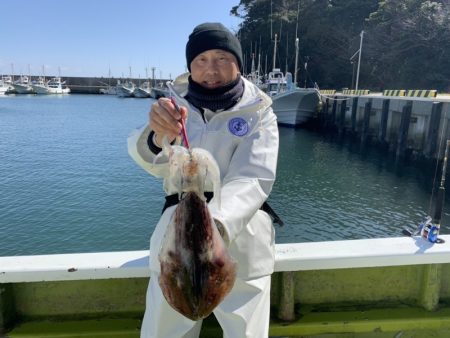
x=352 y=288
x=379 y=287
x=3 y=87
x=110 y=90
x=23 y=85
x=292 y=105
x=53 y=86
x=160 y=90
x=6 y=85
x=125 y=89
x=143 y=91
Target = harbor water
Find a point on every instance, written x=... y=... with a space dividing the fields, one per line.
x=68 y=185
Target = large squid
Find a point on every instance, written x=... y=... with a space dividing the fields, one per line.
x=197 y=271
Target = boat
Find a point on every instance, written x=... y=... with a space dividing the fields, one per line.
x=6 y=85
x=160 y=90
x=378 y=287
x=292 y=105
x=143 y=91
x=23 y=85
x=56 y=86
x=390 y=287
x=53 y=86
x=110 y=90
x=125 y=89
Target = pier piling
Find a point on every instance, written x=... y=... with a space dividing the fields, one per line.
x=383 y=122
x=403 y=130
x=341 y=122
x=353 y=116
x=366 y=121
x=433 y=130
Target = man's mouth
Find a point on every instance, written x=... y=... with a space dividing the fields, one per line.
x=211 y=84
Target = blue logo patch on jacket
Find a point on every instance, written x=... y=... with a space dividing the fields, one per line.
x=238 y=126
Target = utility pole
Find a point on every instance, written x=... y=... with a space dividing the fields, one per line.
x=359 y=60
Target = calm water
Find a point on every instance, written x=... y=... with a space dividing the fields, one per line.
x=67 y=183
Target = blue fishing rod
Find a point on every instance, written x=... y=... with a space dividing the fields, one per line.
x=429 y=229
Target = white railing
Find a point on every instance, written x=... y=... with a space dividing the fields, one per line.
x=289 y=257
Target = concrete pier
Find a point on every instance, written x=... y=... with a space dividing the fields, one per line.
x=407 y=126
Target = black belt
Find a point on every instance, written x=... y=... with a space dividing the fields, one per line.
x=173 y=200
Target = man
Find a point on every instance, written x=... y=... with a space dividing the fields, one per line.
x=232 y=119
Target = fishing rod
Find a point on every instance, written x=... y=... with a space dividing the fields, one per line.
x=429 y=229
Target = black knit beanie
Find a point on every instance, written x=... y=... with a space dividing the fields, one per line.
x=212 y=35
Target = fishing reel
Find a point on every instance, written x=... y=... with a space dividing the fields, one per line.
x=427 y=230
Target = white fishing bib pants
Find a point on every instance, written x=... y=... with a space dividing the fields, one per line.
x=244 y=313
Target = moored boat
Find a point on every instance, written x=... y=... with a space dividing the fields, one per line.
x=160 y=91
x=292 y=105
x=110 y=90
x=53 y=86
x=23 y=85
x=143 y=91
x=3 y=87
x=125 y=89
x=6 y=85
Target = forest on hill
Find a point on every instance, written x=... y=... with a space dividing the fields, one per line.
x=405 y=44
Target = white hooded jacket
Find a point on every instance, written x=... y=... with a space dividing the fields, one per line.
x=244 y=142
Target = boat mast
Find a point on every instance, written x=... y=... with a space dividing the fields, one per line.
x=287 y=51
x=274 y=51
x=296 y=61
x=296 y=47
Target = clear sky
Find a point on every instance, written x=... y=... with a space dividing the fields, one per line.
x=89 y=37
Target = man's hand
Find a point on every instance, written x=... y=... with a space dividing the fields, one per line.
x=164 y=120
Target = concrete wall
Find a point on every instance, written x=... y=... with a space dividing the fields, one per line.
x=417 y=126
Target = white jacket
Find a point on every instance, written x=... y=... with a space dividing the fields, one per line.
x=244 y=142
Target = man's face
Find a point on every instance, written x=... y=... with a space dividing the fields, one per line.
x=214 y=68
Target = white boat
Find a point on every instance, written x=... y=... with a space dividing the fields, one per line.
x=143 y=91
x=3 y=87
x=160 y=91
x=125 y=89
x=23 y=85
x=381 y=287
x=110 y=90
x=6 y=85
x=56 y=86
x=293 y=106
x=53 y=86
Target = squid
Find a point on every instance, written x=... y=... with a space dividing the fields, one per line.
x=197 y=271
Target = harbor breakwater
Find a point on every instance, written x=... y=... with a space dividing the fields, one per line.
x=92 y=85
x=407 y=126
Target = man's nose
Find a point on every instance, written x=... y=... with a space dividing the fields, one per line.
x=212 y=66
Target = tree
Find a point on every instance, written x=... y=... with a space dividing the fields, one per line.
x=405 y=45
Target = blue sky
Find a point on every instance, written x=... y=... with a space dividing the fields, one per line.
x=87 y=37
